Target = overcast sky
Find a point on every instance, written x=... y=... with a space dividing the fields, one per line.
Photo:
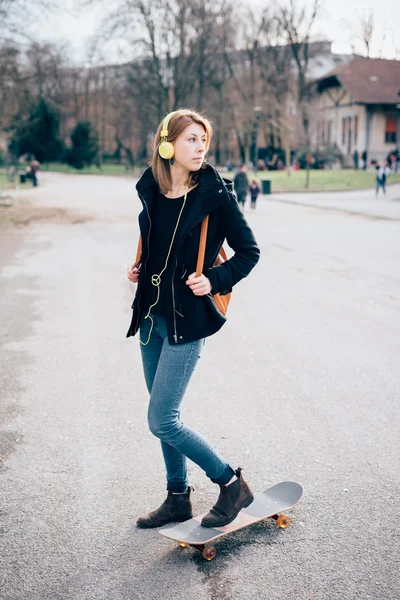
x=340 y=22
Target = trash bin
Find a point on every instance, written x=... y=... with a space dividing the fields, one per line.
x=22 y=178
x=266 y=186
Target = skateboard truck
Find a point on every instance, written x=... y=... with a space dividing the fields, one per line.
x=210 y=552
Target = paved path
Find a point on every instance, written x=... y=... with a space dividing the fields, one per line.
x=302 y=383
x=362 y=202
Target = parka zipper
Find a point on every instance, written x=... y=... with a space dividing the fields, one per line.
x=173 y=274
x=148 y=235
x=173 y=302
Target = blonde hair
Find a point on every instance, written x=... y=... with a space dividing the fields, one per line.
x=179 y=121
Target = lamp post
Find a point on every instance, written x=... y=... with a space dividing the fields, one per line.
x=254 y=145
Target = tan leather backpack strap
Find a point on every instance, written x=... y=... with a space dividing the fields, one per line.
x=138 y=251
x=202 y=247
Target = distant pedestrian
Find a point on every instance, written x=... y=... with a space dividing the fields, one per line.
x=260 y=165
x=364 y=157
x=355 y=159
x=254 y=191
x=381 y=177
x=396 y=159
x=241 y=184
x=391 y=159
x=34 y=167
x=11 y=173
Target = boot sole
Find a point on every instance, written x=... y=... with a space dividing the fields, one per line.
x=161 y=523
x=244 y=505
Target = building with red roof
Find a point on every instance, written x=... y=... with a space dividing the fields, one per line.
x=358 y=108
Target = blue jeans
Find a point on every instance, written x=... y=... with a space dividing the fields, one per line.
x=380 y=184
x=167 y=371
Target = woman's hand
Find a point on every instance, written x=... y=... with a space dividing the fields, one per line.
x=133 y=274
x=200 y=286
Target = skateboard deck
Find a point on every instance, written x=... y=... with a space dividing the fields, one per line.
x=267 y=504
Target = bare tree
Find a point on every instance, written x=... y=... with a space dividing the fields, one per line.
x=39 y=71
x=15 y=14
x=262 y=76
x=213 y=24
x=297 y=23
x=14 y=37
x=44 y=70
x=219 y=95
x=173 y=44
x=367 y=29
x=277 y=86
x=245 y=84
x=160 y=35
x=9 y=76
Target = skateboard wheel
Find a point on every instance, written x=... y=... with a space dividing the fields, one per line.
x=209 y=553
x=282 y=521
x=183 y=544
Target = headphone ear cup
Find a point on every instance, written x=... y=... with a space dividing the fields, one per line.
x=166 y=150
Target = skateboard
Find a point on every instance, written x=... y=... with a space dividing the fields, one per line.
x=267 y=504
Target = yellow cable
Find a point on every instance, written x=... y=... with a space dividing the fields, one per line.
x=156 y=279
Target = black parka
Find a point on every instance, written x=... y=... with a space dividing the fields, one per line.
x=191 y=317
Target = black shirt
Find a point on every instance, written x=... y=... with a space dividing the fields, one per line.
x=163 y=222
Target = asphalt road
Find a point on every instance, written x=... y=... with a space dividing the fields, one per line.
x=302 y=383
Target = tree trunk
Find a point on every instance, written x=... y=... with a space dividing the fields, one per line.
x=287 y=147
x=306 y=125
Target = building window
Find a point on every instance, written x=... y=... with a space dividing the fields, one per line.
x=329 y=132
x=343 y=131
x=355 y=129
x=390 y=137
x=391 y=130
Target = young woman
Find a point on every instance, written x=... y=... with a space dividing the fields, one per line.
x=174 y=310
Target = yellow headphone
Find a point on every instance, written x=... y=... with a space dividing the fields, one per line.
x=166 y=150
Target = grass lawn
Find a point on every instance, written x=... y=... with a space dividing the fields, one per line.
x=106 y=169
x=6 y=185
x=320 y=180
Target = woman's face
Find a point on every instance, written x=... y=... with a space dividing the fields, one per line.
x=190 y=147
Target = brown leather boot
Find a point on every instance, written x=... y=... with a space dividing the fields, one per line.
x=232 y=499
x=176 y=507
